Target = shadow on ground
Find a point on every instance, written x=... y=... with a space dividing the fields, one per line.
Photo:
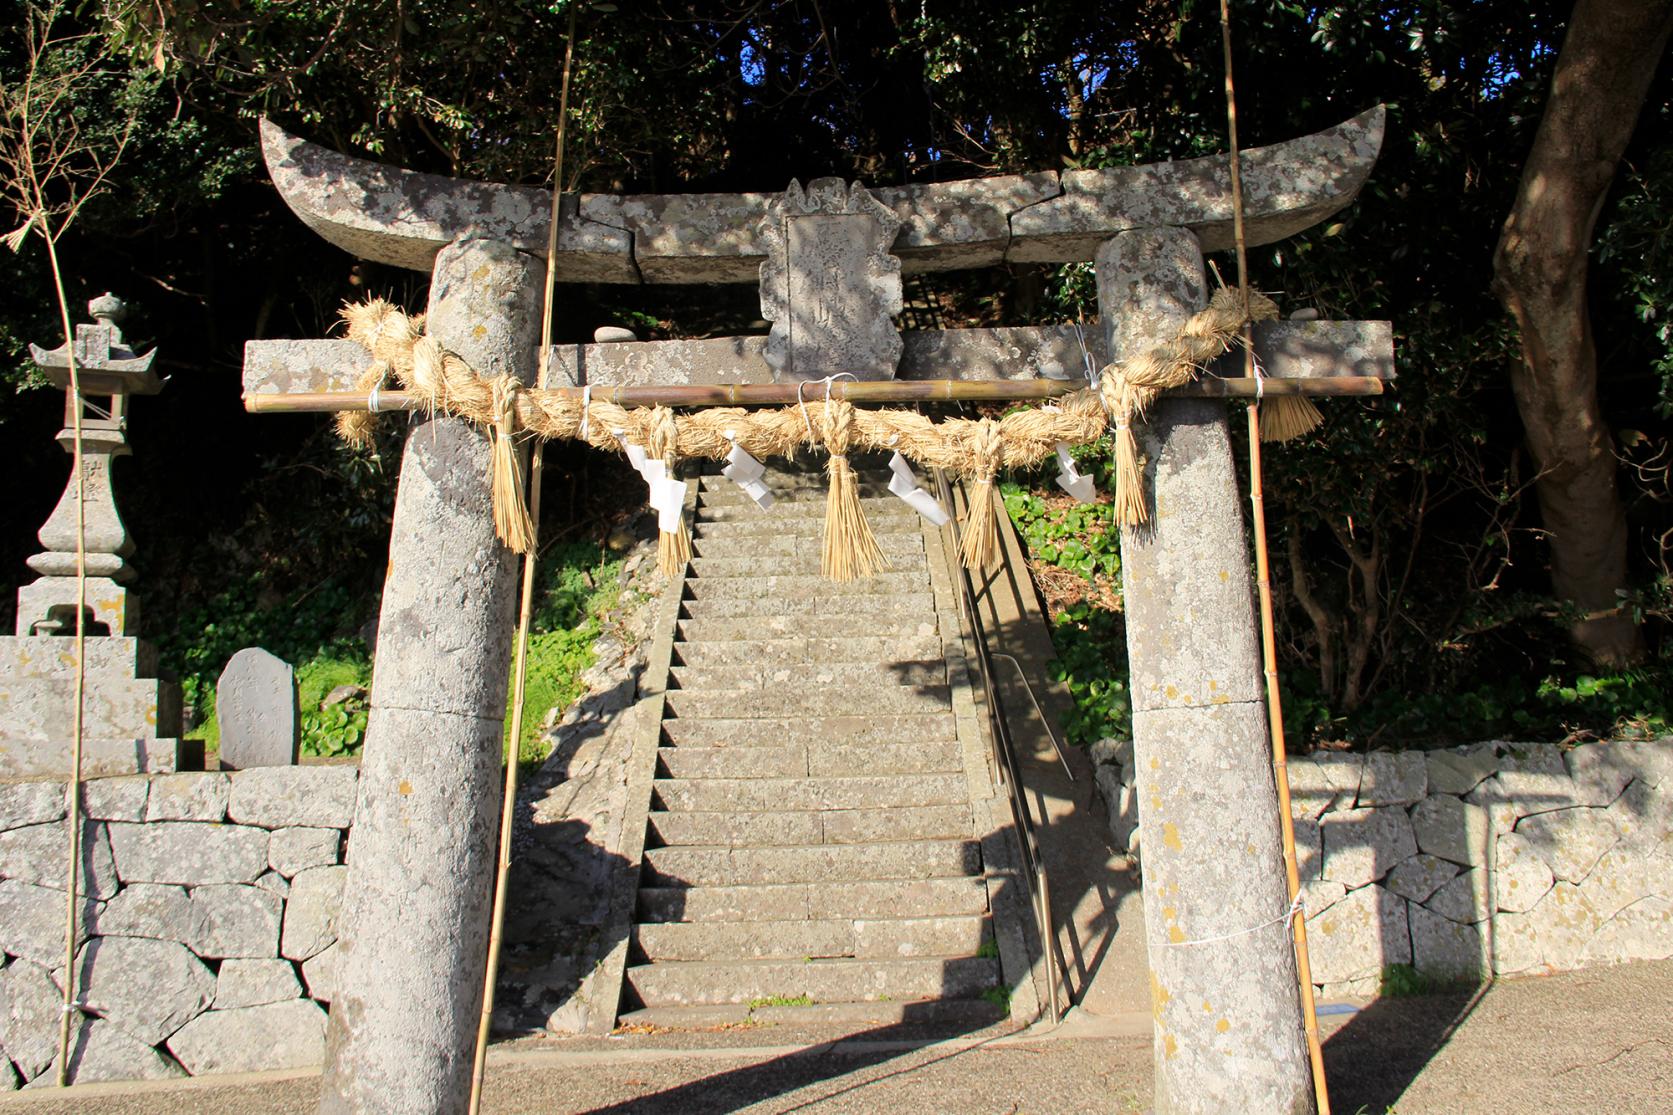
x=1373 y=1058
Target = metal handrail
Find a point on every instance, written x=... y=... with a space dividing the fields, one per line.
x=1005 y=753
x=1022 y=676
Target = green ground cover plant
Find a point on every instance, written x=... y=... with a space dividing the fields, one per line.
x=1074 y=552
x=579 y=583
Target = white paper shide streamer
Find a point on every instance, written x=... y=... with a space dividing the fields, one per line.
x=746 y=472
x=904 y=484
x=1069 y=477
x=667 y=497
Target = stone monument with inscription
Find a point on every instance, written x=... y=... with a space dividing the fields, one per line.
x=255 y=706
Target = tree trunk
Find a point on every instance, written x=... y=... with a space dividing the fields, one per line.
x=1608 y=59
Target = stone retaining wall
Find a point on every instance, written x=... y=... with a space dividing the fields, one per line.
x=1492 y=859
x=209 y=926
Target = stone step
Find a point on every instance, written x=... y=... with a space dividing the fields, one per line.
x=736 y=628
x=733 y=829
x=766 y=580
x=753 y=795
x=806 y=675
x=759 y=545
x=893 y=938
x=778 y=731
x=715 y=867
x=904 y=522
x=813 y=480
x=801 y=561
x=775 y=703
x=960 y=1015
x=786 y=509
x=947 y=896
x=48 y=656
x=682 y=983
x=871 y=651
x=819 y=758
x=862 y=607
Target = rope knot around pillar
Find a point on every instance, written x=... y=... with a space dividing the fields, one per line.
x=1129 y=388
x=512 y=521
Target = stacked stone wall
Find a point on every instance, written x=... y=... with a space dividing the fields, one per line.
x=209 y=923
x=210 y=906
x=1494 y=859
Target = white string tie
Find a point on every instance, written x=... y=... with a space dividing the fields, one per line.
x=1294 y=908
x=586 y=409
x=372 y=405
x=802 y=403
x=1086 y=356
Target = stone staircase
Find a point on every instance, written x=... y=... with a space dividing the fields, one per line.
x=815 y=842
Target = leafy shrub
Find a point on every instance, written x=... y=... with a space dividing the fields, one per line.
x=336 y=729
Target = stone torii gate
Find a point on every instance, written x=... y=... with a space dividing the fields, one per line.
x=414 y=922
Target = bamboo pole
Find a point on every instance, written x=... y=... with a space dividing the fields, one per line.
x=882 y=391
x=72 y=806
x=1263 y=583
x=531 y=563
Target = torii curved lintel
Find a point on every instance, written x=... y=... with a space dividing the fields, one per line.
x=403 y=217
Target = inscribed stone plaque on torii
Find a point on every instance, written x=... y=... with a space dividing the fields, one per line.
x=403 y=218
x=829 y=285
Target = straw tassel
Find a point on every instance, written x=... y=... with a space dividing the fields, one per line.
x=1287 y=417
x=673 y=548
x=673 y=551
x=849 y=549
x=1131 y=508
x=980 y=545
x=511 y=513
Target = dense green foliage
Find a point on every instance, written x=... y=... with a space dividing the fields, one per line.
x=321 y=632
x=1409 y=561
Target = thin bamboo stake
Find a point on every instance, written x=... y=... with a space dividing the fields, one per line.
x=531 y=562
x=888 y=391
x=72 y=805
x=1263 y=582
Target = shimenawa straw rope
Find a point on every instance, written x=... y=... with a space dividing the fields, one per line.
x=973 y=449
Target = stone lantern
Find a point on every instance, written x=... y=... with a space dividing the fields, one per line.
x=131 y=720
x=108 y=370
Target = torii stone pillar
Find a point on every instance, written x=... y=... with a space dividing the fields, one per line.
x=1224 y=995
x=413 y=931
